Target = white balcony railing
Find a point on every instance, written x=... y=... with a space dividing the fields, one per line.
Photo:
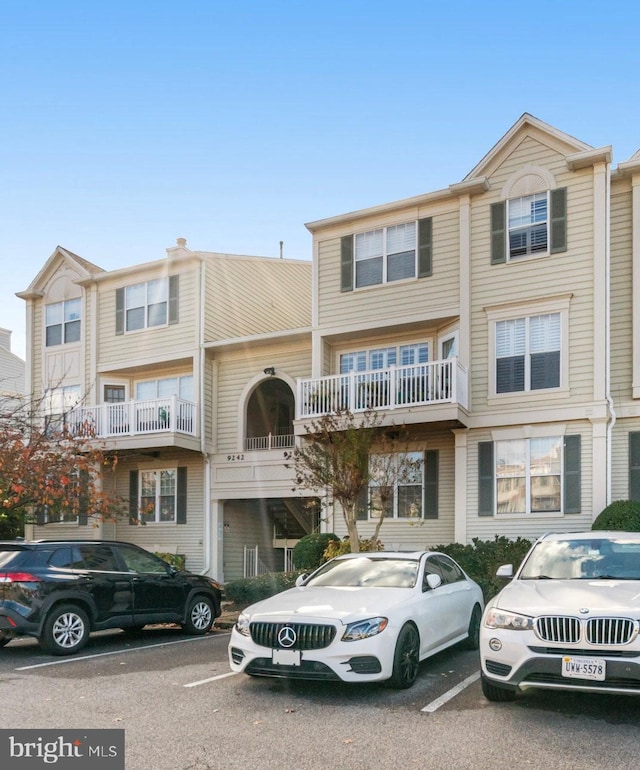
x=131 y=418
x=270 y=441
x=436 y=382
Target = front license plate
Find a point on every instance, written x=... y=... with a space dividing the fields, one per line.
x=286 y=657
x=584 y=668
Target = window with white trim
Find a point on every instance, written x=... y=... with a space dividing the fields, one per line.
x=181 y=386
x=528 y=475
x=528 y=225
x=146 y=304
x=385 y=255
x=528 y=352
x=383 y=358
x=63 y=322
x=396 y=485
x=157 y=502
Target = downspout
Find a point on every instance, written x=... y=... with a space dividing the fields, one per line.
x=203 y=447
x=612 y=412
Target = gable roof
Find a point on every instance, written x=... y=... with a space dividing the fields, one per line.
x=83 y=267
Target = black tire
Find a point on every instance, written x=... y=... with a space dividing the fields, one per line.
x=472 y=642
x=406 y=659
x=200 y=616
x=495 y=693
x=65 y=631
x=4 y=639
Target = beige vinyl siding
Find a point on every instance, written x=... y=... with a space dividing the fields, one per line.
x=246 y=296
x=528 y=526
x=620 y=458
x=535 y=277
x=418 y=533
x=430 y=297
x=621 y=348
x=236 y=369
x=186 y=538
x=146 y=346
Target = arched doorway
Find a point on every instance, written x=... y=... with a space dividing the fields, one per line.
x=270 y=413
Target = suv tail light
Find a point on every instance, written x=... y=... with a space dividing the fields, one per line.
x=18 y=577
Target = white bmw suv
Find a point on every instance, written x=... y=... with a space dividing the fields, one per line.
x=568 y=620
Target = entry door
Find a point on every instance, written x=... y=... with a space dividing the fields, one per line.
x=117 y=414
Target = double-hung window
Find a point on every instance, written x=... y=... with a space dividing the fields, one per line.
x=528 y=353
x=396 y=485
x=385 y=255
x=147 y=305
x=529 y=475
x=63 y=321
x=531 y=225
x=158 y=496
x=528 y=225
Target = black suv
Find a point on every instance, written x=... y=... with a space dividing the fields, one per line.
x=60 y=591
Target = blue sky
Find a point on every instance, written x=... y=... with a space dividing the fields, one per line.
x=128 y=124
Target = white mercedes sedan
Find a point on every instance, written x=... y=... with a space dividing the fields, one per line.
x=364 y=617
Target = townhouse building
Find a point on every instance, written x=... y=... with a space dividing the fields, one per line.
x=185 y=369
x=495 y=320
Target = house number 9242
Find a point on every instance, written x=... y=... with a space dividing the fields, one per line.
x=235 y=457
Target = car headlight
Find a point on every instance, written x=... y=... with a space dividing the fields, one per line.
x=363 y=629
x=242 y=624
x=511 y=620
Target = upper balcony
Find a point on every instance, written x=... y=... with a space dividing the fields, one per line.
x=156 y=421
x=438 y=389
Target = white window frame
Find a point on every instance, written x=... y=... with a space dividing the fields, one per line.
x=155 y=517
x=163 y=388
x=70 y=317
x=376 y=244
x=418 y=468
x=555 y=304
x=527 y=474
x=362 y=358
x=528 y=227
x=133 y=303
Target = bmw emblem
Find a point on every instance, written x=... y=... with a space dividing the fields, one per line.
x=286 y=636
x=584 y=610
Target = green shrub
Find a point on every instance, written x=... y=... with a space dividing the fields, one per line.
x=245 y=591
x=177 y=560
x=308 y=552
x=621 y=515
x=338 y=547
x=480 y=559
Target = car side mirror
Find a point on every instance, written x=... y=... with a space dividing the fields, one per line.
x=300 y=579
x=433 y=581
x=505 y=571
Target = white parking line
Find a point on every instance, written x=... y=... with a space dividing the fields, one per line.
x=75 y=658
x=435 y=704
x=210 y=679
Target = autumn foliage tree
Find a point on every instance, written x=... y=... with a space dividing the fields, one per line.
x=47 y=472
x=342 y=454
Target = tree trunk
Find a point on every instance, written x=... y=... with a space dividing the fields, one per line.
x=352 y=529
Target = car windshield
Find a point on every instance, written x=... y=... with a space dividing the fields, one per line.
x=367 y=571
x=580 y=559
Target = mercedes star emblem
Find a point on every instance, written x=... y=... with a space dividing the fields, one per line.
x=286 y=636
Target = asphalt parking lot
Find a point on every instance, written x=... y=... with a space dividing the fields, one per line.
x=182 y=708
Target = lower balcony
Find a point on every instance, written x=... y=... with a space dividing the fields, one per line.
x=134 y=418
x=427 y=385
